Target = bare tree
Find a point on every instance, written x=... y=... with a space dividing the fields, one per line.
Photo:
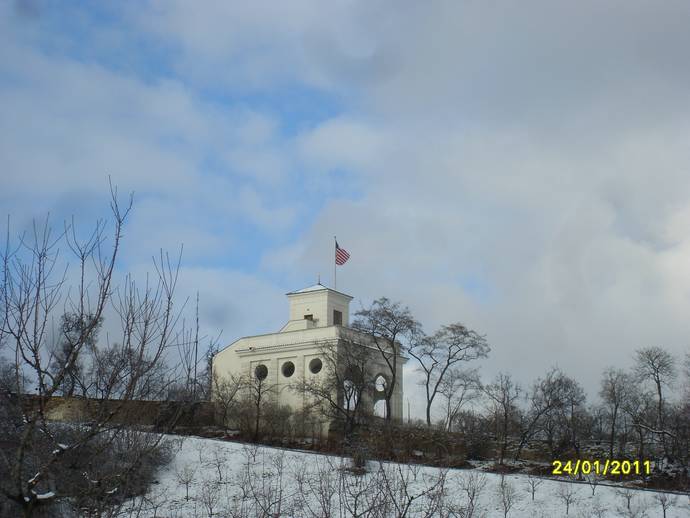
x=387 y=323
x=439 y=353
x=638 y=509
x=185 y=476
x=218 y=461
x=593 y=479
x=567 y=494
x=195 y=379
x=457 y=388
x=205 y=378
x=533 y=483
x=316 y=493
x=627 y=495
x=209 y=496
x=639 y=409
x=188 y=351
x=361 y=496
x=472 y=484
x=502 y=394
x=657 y=366
x=339 y=391
x=256 y=395
x=569 y=421
x=597 y=509
x=508 y=496
x=396 y=481
x=71 y=327
x=36 y=286
x=615 y=390
x=546 y=396
x=666 y=501
x=575 y=416
x=262 y=491
x=227 y=392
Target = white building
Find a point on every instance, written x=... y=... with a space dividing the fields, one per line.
x=318 y=316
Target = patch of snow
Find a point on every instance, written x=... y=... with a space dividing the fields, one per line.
x=86 y=476
x=61 y=447
x=278 y=470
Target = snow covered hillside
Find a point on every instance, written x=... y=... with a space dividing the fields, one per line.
x=215 y=478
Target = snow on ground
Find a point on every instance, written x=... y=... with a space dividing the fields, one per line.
x=234 y=479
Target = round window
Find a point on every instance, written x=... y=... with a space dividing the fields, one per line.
x=288 y=369
x=261 y=372
x=315 y=366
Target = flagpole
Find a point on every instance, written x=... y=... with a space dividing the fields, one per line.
x=335 y=278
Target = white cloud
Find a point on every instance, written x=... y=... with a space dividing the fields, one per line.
x=522 y=168
x=342 y=143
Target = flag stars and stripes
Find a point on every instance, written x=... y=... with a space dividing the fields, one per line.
x=341 y=255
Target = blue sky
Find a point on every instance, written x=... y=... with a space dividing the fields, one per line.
x=105 y=39
x=521 y=168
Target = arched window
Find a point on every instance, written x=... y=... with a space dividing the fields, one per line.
x=350 y=395
x=380 y=408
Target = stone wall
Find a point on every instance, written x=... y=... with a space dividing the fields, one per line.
x=157 y=414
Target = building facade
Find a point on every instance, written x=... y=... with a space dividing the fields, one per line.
x=319 y=319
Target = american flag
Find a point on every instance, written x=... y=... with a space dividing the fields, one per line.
x=341 y=255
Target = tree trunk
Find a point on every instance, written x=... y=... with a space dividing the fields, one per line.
x=660 y=417
x=640 y=450
x=389 y=395
x=612 y=437
x=258 y=416
x=504 y=442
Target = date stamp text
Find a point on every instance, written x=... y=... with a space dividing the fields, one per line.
x=603 y=468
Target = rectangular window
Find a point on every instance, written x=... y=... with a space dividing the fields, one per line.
x=337 y=318
x=308 y=317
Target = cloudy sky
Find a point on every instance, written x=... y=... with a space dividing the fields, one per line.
x=521 y=167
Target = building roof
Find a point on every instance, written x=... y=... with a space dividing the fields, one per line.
x=317 y=287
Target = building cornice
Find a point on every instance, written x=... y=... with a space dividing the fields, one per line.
x=299 y=339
